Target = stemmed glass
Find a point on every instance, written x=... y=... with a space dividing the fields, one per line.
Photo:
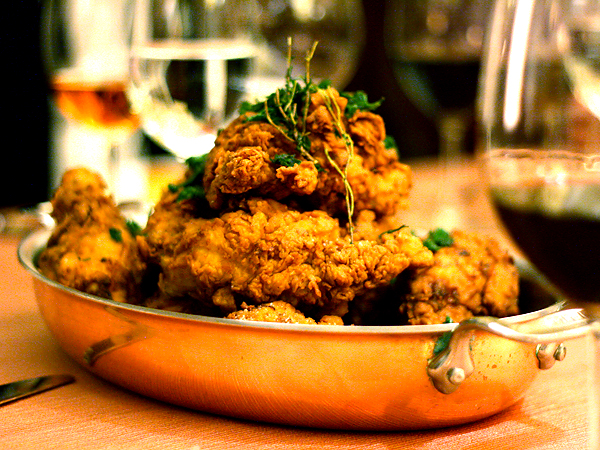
x=337 y=25
x=541 y=156
x=189 y=69
x=85 y=53
x=435 y=49
x=539 y=117
x=194 y=61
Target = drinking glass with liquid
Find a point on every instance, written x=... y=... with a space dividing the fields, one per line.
x=85 y=47
x=540 y=115
x=190 y=64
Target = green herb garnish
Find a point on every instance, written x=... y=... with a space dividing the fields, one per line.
x=192 y=186
x=287 y=109
x=191 y=192
x=437 y=239
x=442 y=342
x=115 y=234
x=134 y=228
x=390 y=142
x=285 y=159
x=334 y=109
x=197 y=163
x=358 y=101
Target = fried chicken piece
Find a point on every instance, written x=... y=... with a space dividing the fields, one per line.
x=244 y=163
x=266 y=251
x=91 y=248
x=281 y=312
x=472 y=277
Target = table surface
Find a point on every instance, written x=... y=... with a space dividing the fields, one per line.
x=94 y=414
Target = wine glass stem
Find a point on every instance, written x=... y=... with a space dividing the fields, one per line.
x=114 y=168
x=452 y=126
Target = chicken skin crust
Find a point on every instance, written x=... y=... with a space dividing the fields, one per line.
x=91 y=248
x=243 y=163
x=472 y=277
x=294 y=216
x=280 y=312
x=266 y=251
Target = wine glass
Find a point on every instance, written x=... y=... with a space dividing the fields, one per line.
x=539 y=120
x=85 y=54
x=190 y=62
x=435 y=49
x=194 y=61
x=542 y=153
x=338 y=26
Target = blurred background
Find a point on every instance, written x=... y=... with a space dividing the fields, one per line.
x=34 y=165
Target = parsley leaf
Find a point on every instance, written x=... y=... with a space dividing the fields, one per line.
x=197 y=163
x=192 y=187
x=390 y=142
x=285 y=159
x=191 y=192
x=437 y=239
x=358 y=101
x=134 y=228
x=115 y=234
x=443 y=341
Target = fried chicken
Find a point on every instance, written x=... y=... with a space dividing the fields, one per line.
x=472 y=277
x=266 y=251
x=281 y=312
x=244 y=163
x=274 y=223
x=292 y=217
x=91 y=248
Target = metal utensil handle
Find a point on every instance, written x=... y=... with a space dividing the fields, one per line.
x=450 y=367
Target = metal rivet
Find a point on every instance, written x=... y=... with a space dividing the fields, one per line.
x=560 y=352
x=456 y=375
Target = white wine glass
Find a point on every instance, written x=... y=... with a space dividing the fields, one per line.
x=539 y=114
x=85 y=51
x=190 y=62
x=194 y=61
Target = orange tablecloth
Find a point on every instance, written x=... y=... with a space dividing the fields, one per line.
x=94 y=414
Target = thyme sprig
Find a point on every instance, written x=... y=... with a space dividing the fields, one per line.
x=281 y=109
x=287 y=110
x=392 y=230
x=334 y=109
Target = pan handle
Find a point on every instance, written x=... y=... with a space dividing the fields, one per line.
x=451 y=366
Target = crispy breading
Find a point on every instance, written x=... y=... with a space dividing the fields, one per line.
x=91 y=248
x=267 y=251
x=280 y=312
x=472 y=277
x=242 y=164
x=302 y=218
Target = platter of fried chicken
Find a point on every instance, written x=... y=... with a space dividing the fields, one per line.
x=276 y=281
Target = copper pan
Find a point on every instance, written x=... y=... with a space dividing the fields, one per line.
x=334 y=377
